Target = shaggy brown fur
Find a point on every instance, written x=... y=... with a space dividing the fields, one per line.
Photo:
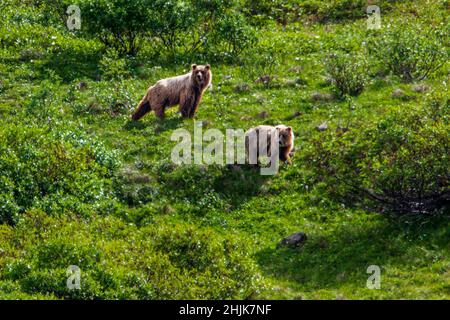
x=285 y=140
x=185 y=90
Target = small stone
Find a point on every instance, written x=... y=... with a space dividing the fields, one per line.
x=300 y=81
x=167 y=209
x=82 y=85
x=241 y=87
x=297 y=114
x=322 y=127
x=290 y=83
x=294 y=240
x=296 y=69
x=328 y=80
x=341 y=129
x=318 y=96
x=420 y=88
x=260 y=98
x=140 y=178
x=263 y=115
x=398 y=93
x=264 y=79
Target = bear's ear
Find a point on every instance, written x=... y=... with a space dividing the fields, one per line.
x=289 y=129
x=207 y=67
x=194 y=66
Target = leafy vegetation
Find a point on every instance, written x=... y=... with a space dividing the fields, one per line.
x=348 y=74
x=182 y=27
x=400 y=162
x=412 y=52
x=81 y=184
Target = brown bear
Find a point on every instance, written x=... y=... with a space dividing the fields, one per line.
x=185 y=90
x=285 y=141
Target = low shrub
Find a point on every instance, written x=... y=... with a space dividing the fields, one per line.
x=347 y=72
x=118 y=260
x=261 y=62
x=176 y=27
x=410 y=50
x=398 y=164
x=52 y=169
x=284 y=11
x=222 y=264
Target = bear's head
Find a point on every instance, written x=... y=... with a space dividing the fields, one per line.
x=285 y=135
x=201 y=75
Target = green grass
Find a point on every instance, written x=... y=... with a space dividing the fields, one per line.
x=130 y=244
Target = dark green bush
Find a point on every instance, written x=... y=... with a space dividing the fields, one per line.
x=50 y=169
x=120 y=24
x=281 y=11
x=172 y=260
x=201 y=26
x=284 y=11
x=222 y=263
x=261 y=62
x=233 y=35
x=397 y=164
x=411 y=51
x=337 y=10
x=184 y=27
x=348 y=73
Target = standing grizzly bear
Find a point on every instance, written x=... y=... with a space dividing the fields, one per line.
x=285 y=142
x=185 y=90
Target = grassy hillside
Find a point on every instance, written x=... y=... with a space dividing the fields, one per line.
x=81 y=184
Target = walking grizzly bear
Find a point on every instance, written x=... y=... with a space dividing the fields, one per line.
x=185 y=90
x=285 y=142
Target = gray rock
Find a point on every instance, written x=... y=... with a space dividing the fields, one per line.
x=296 y=69
x=82 y=85
x=246 y=118
x=290 y=83
x=263 y=115
x=322 y=127
x=296 y=114
x=294 y=240
x=318 y=96
x=420 y=88
x=241 y=87
x=398 y=93
x=264 y=79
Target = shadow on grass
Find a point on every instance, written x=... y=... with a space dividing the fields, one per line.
x=224 y=187
x=70 y=64
x=342 y=256
x=238 y=183
x=160 y=125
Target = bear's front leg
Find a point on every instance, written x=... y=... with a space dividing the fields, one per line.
x=285 y=156
x=196 y=99
x=186 y=103
x=159 y=112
